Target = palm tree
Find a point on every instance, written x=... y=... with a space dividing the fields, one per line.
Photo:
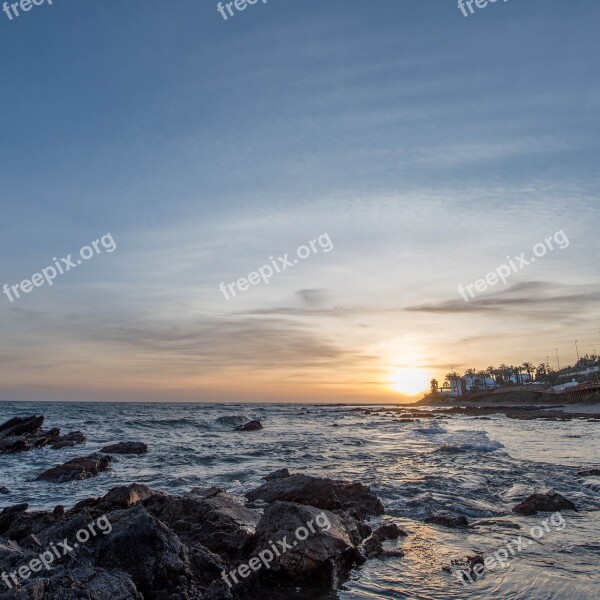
x=434 y=386
x=470 y=373
x=517 y=371
x=529 y=368
x=504 y=371
x=483 y=378
x=491 y=371
x=453 y=377
x=540 y=372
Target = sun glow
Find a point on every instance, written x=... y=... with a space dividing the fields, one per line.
x=410 y=381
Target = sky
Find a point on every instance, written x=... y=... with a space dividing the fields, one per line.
x=426 y=148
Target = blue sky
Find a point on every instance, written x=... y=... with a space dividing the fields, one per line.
x=429 y=147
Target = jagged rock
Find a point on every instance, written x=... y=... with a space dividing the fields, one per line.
x=68 y=440
x=26 y=433
x=320 y=492
x=9 y=514
x=21 y=426
x=126 y=448
x=327 y=554
x=373 y=546
x=209 y=517
x=77 y=468
x=97 y=584
x=126 y=496
x=250 y=426
x=454 y=521
x=589 y=473
x=148 y=551
x=163 y=547
x=279 y=474
x=550 y=502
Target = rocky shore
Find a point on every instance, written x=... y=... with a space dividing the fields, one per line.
x=294 y=532
x=163 y=546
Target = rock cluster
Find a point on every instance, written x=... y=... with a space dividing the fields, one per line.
x=550 y=502
x=126 y=448
x=250 y=426
x=25 y=433
x=77 y=468
x=166 y=547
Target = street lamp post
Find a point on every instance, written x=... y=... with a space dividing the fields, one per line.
x=557 y=360
x=577 y=350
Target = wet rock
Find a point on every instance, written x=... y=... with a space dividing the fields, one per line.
x=77 y=468
x=4 y=490
x=123 y=496
x=148 y=551
x=209 y=517
x=21 y=434
x=279 y=474
x=166 y=547
x=550 y=502
x=25 y=433
x=326 y=555
x=589 y=473
x=97 y=584
x=9 y=515
x=373 y=546
x=68 y=440
x=21 y=426
x=250 y=426
x=320 y=492
x=454 y=521
x=126 y=448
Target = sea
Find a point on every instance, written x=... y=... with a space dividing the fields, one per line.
x=472 y=466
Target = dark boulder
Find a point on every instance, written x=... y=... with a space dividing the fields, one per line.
x=320 y=492
x=97 y=584
x=326 y=554
x=77 y=468
x=148 y=551
x=589 y=473
x=68 y=440
x=373 y=546
x=125 y=496
x=209 y=517
x=21 y=433
x=279 y=474
x=21 y=426
x=126 y=448
x=9 y=515
x=454 y=521
x=250 y=426
x=550 y=502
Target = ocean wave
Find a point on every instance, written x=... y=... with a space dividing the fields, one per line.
x=431 y=430
x=163 y=422
x=232 y=420
x=465 y=441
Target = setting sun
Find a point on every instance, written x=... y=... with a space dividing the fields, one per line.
x=410 y=381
